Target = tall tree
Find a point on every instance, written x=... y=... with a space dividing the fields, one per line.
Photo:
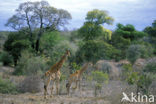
x=93 y=28
x=94 y=35
x=38 y=16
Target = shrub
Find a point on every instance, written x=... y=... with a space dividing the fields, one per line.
x=138 y=51
x=144 y=83
x=103 y=66
x=141 y=80
x=5 y=58
x=94 y=50
x=30 y=84
x=98 y=87
x=7 y=87
x=16 y=42
x=57 y=51
x=29 y=64
x=100 y=76
x=49 y=40
x=129 y=74
x=150 y=67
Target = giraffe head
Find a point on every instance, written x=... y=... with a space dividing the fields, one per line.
x=67 y=52
x=47 y=73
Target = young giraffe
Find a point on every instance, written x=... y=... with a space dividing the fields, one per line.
x=54 y=74
x=76 y=77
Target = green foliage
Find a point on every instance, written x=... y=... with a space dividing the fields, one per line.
x=59 y=50
x=143 y=83
x=99 y=17
x=92 y=28
x=29 y=64
x=7 y=87
x=142 y=80
x=16 y=42
x=151 y=30
x=74 y=36
x=75 y=66
x=138 y=51
x=100 y=77
x=129 y=74
x=3 y=37
x=91 y=31
x=63 y=77
x=98 y=87
x=128 y=32
x=150 y=67
x=49 y=40
x=95 y=50
x=5 y=58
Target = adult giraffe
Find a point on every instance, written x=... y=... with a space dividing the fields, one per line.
x=54 y=74
x=76 y=77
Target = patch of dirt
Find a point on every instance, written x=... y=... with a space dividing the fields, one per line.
x=29 y=98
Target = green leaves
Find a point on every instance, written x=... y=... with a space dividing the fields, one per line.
x=96 y=50
x=15 y=43
x=7 y=87
x=99 y=17
x=100 y=77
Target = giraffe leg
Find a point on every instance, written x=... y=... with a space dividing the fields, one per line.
x=68 y=87
x=52 y=87
x=57 y=86
x=76 y=84
x=79 y=84
x=45 y=87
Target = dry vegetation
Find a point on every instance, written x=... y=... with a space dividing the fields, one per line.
x=111 y=92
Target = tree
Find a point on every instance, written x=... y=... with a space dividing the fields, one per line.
x=93 y=28
x=123 y=36
x=93 y=35
x=151 y=30
x=40 y=16
x=94 y=50
x=99 y=17
x=138 y=51
x=129 y=32
x=49 y=40
x=141 y=80
x=16 y=42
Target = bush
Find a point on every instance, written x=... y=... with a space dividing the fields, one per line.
x=100 y=77
x=144 y=83
x=29 y=64
x=138 y=51
x=103 y=66
x=30 y=84
x=16 y=42
x=129 y=74
x=56 y=52
x=5 y=58
x=150 y=67
x=94 y=50
x=7 y=87
x=49 y=40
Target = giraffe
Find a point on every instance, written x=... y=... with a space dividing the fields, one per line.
x=54 y=74
x=76 y=77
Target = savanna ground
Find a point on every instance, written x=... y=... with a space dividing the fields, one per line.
x=111 y=92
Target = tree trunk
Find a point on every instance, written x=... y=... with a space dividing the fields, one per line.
x=37 y=45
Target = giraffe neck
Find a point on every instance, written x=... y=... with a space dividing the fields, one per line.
x=60 y=63
x=83 y=68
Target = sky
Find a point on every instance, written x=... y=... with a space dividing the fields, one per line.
x=140 y=13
